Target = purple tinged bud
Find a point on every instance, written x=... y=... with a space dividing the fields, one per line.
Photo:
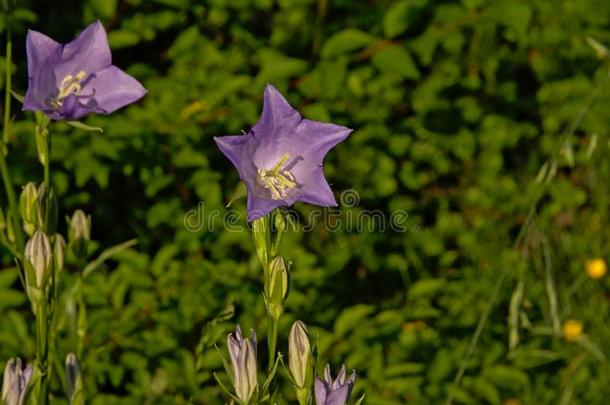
x=38 y=255
x=337 y=392
x=74 y=379
x=15 y=382
x=243 y=363
x=280 y=158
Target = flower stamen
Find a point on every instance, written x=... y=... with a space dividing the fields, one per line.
x=69 y=85
x=277 y=180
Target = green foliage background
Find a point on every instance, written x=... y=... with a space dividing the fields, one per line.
x=476 y=117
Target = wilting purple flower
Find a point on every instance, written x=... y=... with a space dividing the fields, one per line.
x=329 y=392
x=243 y=363
x=280 y=158
x=69 y=81
x=16 y=379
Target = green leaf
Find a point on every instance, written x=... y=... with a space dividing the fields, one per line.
x=122 y=39
x=84 y=127
x=400 y=15
x=483 y=389
x=397 y=60
x=346 y=41
x=425 y=288
x=18 y=96
x=107 y=254
x=350 y=318
x=506 y=377
x=239 y=192
x=11 y=298
x=8 y=276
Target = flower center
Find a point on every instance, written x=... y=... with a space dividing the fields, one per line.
x=277 y=180
x=69 y=85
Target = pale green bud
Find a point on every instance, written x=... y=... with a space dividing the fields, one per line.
x=39 y=256
x=28 y=205
x=59 y=248
x=276 y=286
x=260 y=235
x=299 y=355
x=79 y=232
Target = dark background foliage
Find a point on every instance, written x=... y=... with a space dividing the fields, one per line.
x=478 y=118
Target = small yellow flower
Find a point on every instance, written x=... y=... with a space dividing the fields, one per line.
x=512 y=401
x=572 y=330
x=596 y=268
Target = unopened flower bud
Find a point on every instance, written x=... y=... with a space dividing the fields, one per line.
x=74 y=379
x=243 y=363
x=299 y=355
x=79 y=232
x=59 y=247
x=28 y=206
x=15 y=382
x=38 y=255
x=276 y=286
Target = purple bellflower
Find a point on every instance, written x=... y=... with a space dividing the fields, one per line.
x=280 y=158
x=243 y=363
x=69 y=81
x=329 y=392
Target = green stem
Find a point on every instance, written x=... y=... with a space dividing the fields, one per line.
x=303 y=396
x=272 y=340
x=42 y=346
x=7 y=80
x=4 y=172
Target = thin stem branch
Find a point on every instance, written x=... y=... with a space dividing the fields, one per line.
x=4 y=172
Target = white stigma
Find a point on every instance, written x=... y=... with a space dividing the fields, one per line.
x=69 y=85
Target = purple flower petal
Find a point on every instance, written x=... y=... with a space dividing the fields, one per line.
x=42 y=52
x=338 y=396
x=340 y=380
x=88 y=52
x=278 y=117
x=113 y=89
x=320 y=392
